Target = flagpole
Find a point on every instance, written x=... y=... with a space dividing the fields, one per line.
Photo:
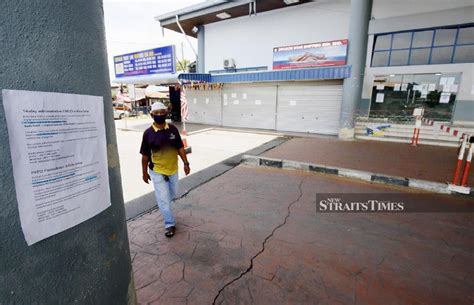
x=183 y=119
x=184 y=116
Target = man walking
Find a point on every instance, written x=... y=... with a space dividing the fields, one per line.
x=161 y=145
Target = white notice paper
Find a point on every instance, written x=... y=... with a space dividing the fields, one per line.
x=244 y=96
x=59 y=156
x=418 y=112
x=450 y=80
x=194 y=100
x=258 y=102
x=404 y=87
x=236 y=102
x=396 y=87
x=233 y=95
x=380 y=97
x=443 y=81
x=207 y=100
x=292 y=103
x=225 y=96
x=380 y=87
x=432 y=87
x=444 y=99
x=424 y=89
x=453 y=88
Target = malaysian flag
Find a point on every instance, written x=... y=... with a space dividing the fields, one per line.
x=184 y=105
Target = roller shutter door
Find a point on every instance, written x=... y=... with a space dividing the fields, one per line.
x=249 y=105
x=204 y=106
x=313 y=108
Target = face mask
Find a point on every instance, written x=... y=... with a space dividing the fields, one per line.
x=159 y=119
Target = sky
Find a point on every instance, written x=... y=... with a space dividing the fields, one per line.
x=130 y=26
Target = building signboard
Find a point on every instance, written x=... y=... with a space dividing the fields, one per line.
x=328 y=53
x=153 y=61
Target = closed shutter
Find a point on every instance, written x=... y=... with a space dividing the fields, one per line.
x=249 y=105
x=313 y=107
x=204 y=106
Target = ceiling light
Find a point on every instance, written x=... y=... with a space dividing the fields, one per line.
x=223 y=15
x=438 y=74
x=195 y=30
x=392 y=75
x=288 y=2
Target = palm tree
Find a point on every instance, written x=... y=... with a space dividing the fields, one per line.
x=181 y=65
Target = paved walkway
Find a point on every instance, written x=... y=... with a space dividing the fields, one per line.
x=253 y=236
x=431 y=163
x=139 y=124
x=209 y=147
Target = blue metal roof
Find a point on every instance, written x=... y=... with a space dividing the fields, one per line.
x=338 y=72
x=199 y=77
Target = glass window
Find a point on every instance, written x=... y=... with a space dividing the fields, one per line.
x=464 y=54
x=383 y=42
x=441 y=55
x=380 y=59
x=401 y=41
x=399 y=58
x=422 y=39
x=466 y=35
x=445 y=37
x=402 y=95
x=425 y=47
x=426 y=79
x=420 y=56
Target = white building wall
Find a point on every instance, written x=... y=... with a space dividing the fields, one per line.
x=460 y=15
x=383 y=9
x=250 y=40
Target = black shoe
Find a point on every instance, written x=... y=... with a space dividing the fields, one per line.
x=170 y=231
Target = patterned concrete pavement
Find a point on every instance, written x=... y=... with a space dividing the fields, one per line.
x=253 y=236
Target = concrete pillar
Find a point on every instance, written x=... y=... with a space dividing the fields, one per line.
x=358 y=34
x=59 y=46
x=200 y=59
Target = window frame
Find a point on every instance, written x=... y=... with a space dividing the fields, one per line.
x=431 y=47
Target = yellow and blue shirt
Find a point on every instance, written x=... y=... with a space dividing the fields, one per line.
x=161 y=145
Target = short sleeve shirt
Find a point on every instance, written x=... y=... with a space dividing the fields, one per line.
x=161 y=147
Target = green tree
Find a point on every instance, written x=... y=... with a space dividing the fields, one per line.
x=181 y=65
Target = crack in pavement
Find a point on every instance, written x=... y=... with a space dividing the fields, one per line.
x=263 y=244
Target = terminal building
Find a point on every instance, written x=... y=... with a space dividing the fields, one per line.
x=316 y=66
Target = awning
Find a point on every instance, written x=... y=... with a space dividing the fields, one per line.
x=122 y=98
x=339 y=72
x=206 y=12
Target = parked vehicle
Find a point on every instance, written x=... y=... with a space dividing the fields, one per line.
x=121 y=110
